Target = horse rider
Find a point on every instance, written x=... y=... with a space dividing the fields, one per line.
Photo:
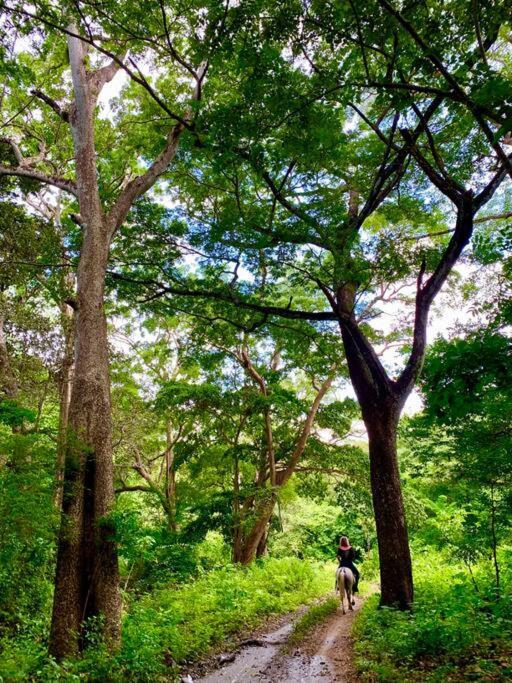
x=346 y=556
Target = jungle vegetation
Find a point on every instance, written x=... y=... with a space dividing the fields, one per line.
x=235 y=239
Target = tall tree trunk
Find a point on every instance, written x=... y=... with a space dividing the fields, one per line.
x=393 y=543
x=87 y=578
x=170 y=479
x=8 y=383
x=381 y=406
x=65 y=384
x=87 y=575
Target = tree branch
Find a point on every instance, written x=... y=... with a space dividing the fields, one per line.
x=62 y=113
x=137 y=187
x=284 y=475
x=24 y=170
x=229 y=297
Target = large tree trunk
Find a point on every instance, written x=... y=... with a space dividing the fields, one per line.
x=258 y=531
x=394 y=554
x=87 y=577
x=381 y=406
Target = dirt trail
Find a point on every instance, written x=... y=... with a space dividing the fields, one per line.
x=324 y=656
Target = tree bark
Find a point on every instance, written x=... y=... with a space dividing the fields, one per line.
x=380 y=407
x=393 y=542
x=87 y=575
x=65 y=384
x=87 y=578
x=263 y=513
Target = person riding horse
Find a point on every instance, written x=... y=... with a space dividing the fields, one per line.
x=346 y=556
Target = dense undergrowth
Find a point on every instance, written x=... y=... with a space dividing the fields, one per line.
x=178 y=623
x=455 y=632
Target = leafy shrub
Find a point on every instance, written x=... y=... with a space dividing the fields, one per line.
x=451 y=625
x=179 y=623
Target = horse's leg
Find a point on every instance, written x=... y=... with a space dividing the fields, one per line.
x=342 y=592
x=349 y=595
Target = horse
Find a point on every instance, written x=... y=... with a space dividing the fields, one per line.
x=344 y=583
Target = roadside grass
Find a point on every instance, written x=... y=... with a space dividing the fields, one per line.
x=314 y=616
x=453 y=633
x=179 y=623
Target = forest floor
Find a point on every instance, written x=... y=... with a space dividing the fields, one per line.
x=324 y=655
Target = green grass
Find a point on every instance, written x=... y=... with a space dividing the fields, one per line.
x=453 y=633
x=314 y=616
x=176 y=624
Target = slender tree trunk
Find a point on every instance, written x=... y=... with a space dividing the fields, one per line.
x=8 y=383
x=65 y=384
x=255 y=540
x=170 y=479
x=393 y=542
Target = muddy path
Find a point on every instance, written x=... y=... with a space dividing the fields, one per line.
x=324 y=656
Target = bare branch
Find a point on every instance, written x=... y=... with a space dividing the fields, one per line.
x=62 y=113
x=23 y=170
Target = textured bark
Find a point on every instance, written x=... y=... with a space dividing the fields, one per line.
x=393 y=542
x=87 y=577
x=262 y=549
x=65 y=384
x=86 y=582
x=263 y=513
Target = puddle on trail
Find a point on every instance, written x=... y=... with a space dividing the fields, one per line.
x=251 y=662
x=323 y=658
x=264 y=664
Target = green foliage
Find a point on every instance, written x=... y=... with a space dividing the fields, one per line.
x=454 y=632
x=14 y=415
x=312 y=530
x=459 y=461
x=175 y=624
x=28 y=524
